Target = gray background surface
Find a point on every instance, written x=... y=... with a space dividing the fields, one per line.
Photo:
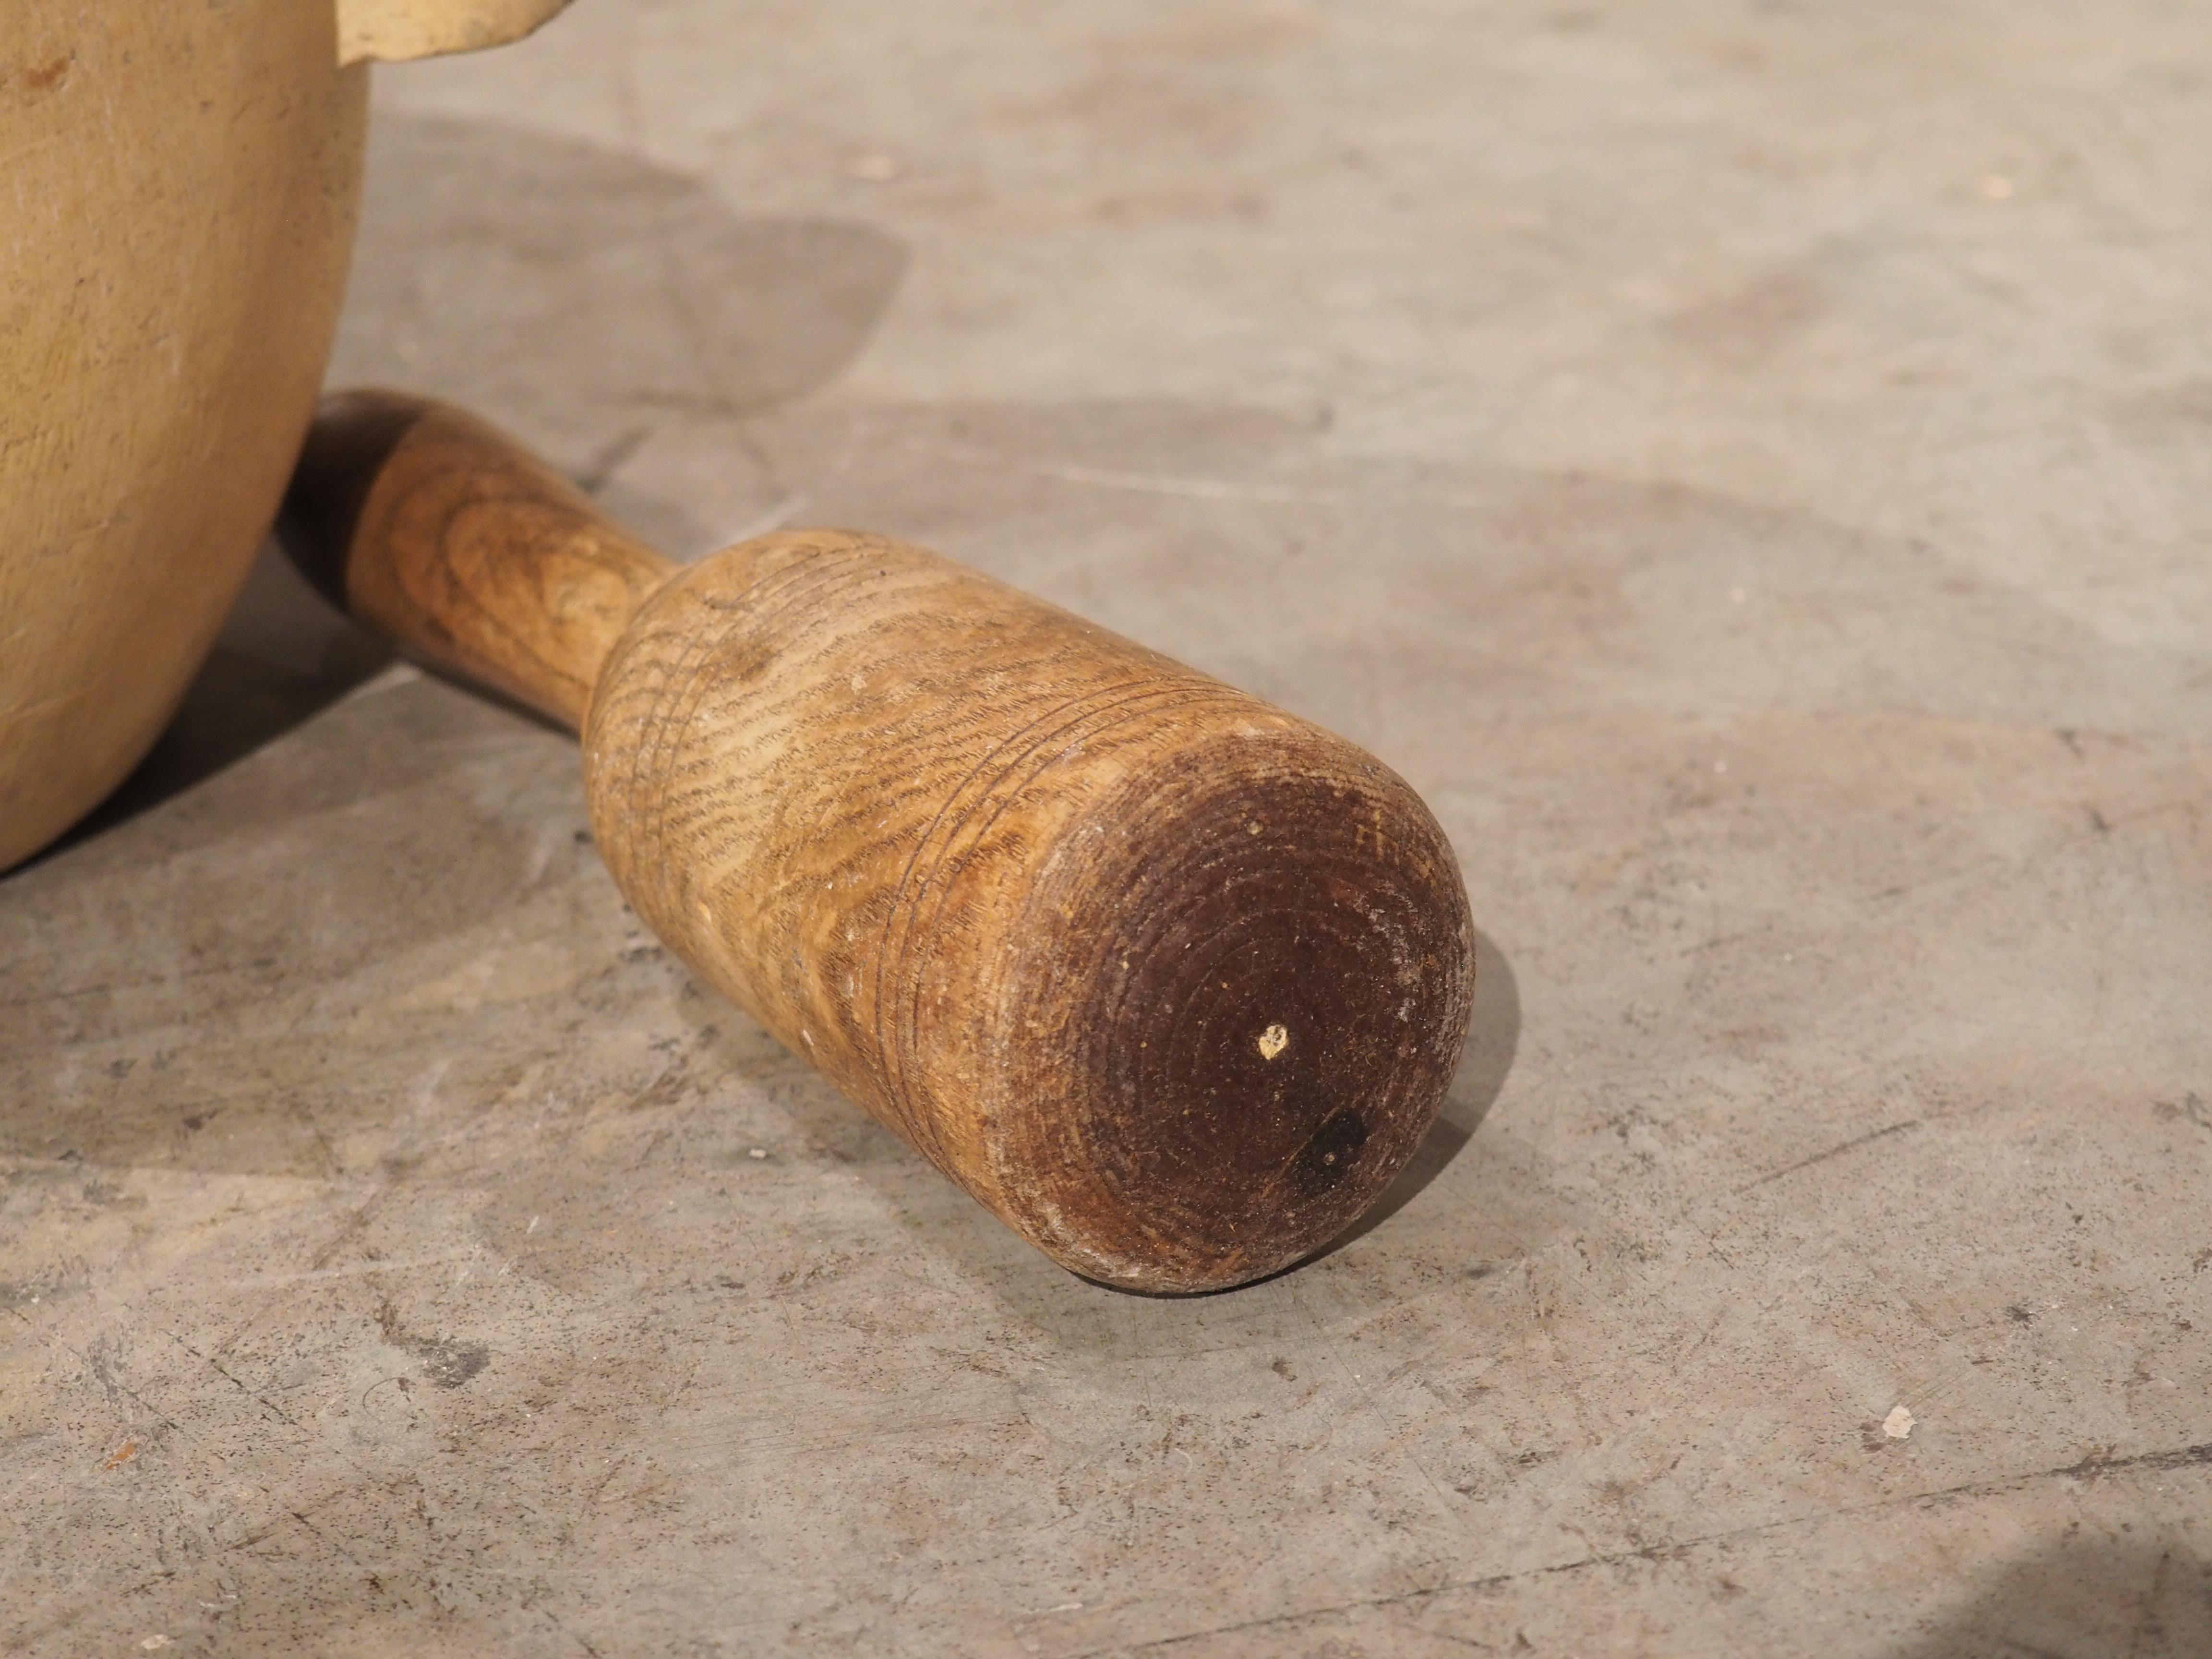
x=1749 y=465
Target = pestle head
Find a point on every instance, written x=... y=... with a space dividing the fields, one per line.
x=1172 y=981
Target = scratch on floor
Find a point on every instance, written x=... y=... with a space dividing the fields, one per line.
x=2093 y=1467
x=1392 y=1437
x=1822 y=1157
x=243 y=1386
x=357 y=1270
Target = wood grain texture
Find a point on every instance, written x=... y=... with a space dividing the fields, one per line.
x=1171 y=981
x=487 y=565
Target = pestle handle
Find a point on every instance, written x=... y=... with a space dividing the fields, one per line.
x=438 y=531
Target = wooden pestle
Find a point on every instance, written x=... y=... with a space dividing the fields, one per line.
x=1169 y=980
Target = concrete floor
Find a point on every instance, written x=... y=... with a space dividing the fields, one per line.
x=1749 y=465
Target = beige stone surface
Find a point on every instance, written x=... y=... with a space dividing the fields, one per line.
x=1745 y=464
